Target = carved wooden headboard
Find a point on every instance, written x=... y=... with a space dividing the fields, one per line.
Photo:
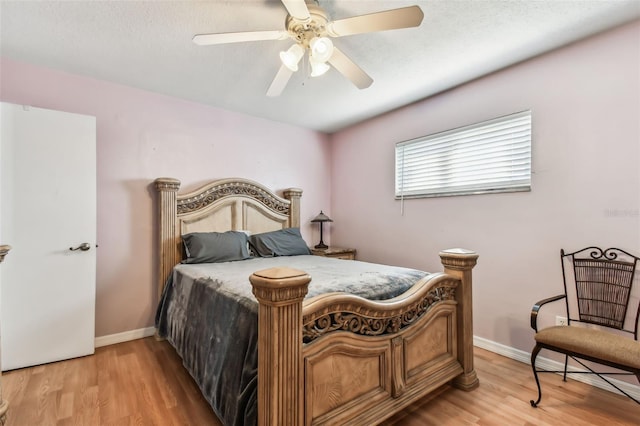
x=222 y=205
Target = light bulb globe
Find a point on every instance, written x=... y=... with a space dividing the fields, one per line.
x=292 y=56
x=318 y=68
x=321 y=48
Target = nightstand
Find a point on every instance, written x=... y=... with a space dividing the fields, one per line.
x=336 y=252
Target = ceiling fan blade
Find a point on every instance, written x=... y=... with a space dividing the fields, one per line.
x=349 y=69
x=222 y=38
x=279 y=82
x=405 y=17
x=297 y=9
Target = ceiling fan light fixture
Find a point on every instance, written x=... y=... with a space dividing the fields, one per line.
x=292 y=56
x=321 y=48
x=318 y=68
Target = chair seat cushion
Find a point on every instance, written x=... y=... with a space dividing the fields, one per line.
x=594 y=343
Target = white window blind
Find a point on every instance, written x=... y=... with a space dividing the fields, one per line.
x=492 y=156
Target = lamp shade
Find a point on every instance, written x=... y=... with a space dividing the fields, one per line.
x=318 y=68
x=292 y=56
x=321 y=48
x=321 y=218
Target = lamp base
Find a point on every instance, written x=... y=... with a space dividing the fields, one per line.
x=322 y=246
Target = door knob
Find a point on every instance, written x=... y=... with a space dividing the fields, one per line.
x=83 y=247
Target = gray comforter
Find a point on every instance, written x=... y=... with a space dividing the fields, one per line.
x=210 y=316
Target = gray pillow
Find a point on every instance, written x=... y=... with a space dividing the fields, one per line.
x=215 y=247
x=285 y=242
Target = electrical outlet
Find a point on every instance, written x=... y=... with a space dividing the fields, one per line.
x=561 y=321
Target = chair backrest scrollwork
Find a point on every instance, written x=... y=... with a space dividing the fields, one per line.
x=601 y=282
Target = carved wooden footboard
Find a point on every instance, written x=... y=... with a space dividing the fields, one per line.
x=341 y=359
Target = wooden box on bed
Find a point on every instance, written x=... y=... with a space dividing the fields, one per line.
x=335 y=358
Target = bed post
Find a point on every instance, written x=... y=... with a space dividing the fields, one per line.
x=459 y=263
x=280 y=377
x=293 y=195
x=167 y=189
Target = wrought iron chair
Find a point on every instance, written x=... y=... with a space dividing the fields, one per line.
x=602 y=316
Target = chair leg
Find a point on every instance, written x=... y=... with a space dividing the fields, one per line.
x=566 y=362
x=534 y=355
x=603 y=377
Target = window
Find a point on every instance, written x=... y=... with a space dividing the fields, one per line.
x=492 y=156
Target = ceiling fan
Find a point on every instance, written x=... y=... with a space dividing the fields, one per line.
x=310 y=28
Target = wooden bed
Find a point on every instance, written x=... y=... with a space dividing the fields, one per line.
x=334 y=358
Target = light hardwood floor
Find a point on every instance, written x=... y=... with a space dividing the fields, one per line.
x=143 y=383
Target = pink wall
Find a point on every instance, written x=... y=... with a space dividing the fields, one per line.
x=143 y=135
x=585 y=102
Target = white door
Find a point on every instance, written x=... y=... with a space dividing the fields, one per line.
x=47 y=206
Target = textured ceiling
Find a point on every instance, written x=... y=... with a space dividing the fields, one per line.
x=147 y=44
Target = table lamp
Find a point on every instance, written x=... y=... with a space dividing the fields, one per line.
x=321 y=218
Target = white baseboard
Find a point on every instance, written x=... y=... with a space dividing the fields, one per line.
x=549 y=364
x=125 y=336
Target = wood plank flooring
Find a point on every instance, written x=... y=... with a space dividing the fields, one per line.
x=142 y=382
